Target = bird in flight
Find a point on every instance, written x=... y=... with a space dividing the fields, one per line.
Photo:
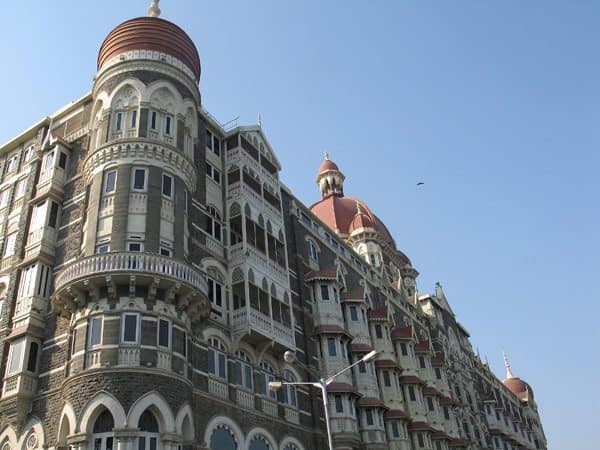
x=420 y=183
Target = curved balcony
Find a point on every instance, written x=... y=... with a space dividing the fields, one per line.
x=87 y=277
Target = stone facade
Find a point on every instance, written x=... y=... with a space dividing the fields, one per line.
x=155 y=270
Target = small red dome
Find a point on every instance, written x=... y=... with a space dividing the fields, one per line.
x=518 y=386
x=154 y=34
x=328 y=164
x=361 y=220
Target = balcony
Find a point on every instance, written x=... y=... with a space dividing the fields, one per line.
x=259 y=327
x=132 y=269
x=22 y=383
x=40 y=240
x=241 y=192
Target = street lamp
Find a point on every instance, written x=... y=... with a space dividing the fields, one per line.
x=322 y=384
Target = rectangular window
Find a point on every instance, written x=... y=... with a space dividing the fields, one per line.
x=133 y=122
x=62 y=160
x=331 y=346
x=165 y=252
x=163 y=333
x=216 y=146
x=411 y=394
x=20 y=188
x=33 y=354
x=153 y=116
x=362 y=367
x=420 y=440
x=438 y=373
x=324 y=292
x=429 y=403
x=135 y=246
x=9 y=245
x=4 y=197
x=130 y=328
x=167 y=185
x=339 y=406
x=209 y=139
x=119 y=120
x=446 y=413
x=213 y=174
x=378 y=332
x=139 y=179
x=110 y=181
x=168 y=125
x=95 y=332
x=11 y=164
x=422 y=364
x=104 y=248
x=353 y=314
x=16 y=353
x=386 y=378
x=53 y=218
x=369 y=416
x=395 y=429
x=403 y=349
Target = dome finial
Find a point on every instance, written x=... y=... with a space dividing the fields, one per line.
x=154 y=10
x=509 y=374
x=259 y=120
x=326 y=155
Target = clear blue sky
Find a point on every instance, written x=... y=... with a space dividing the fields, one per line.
x=494 y=105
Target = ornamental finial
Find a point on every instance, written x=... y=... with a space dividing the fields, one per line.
x=509 y=374
x=326 y=155
x=259 y=120
x=154 y=10
x=358 y=210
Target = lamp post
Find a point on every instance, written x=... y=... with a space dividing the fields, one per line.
x=322 y=384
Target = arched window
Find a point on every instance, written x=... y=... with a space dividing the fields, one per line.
x=222 y=439
x=148 y=426
x=216 y=292
x=313 y=253
x=266 y=374
x=289 y=391
x=102 y=432
x=291 y=447
x=258 y=442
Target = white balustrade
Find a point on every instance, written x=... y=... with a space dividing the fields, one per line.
x=137 y=202
x=213 y=245
x=167 y=211
x=219 y=388
x=130 y=262
x=129 y=356
x=269 y=407
x=92 y=359
x=245 y=398
x=292 y=415
x=163 y=360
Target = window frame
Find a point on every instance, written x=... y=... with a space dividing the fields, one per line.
x=171 y=194
x=105 y=182
x=134 y=172
x=123 y=328
x=90 y=344
x=169 y=333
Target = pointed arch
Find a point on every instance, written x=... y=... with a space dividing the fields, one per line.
x=157 y=404
x=264 y=434
x=33 y=432
x=9 y=436
x=67 y=421
x=184 y=423
x=95 y=406
x=288 y=440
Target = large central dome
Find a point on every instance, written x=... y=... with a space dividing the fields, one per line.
x=151 y=34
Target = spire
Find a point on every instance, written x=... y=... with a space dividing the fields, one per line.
x=509 y=374
x=326 y=155
x=259 y=121
x=154 y=10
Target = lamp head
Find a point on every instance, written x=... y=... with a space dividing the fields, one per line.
x=370 y=356
x=289 y=357
x=275 y=385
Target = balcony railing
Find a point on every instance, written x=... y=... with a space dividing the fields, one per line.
x=250 y=319
x=130 y=262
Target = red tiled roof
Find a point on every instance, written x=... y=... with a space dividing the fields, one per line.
x=440 y=435
x=324 y=274
x=357 y=294
x=326 y=165
x=402 y=333
x=369 y=401
x=395 y=414
x=330 y=329
x=445 y=401
x=384 y=363
x=378 y=313
x=337 y=212
x=431 y=391
x=438 y=360
x=410 y=379
x=457 y=442
x=341 y=387
x=419 y=426
x=422 y=347
x=360 y=348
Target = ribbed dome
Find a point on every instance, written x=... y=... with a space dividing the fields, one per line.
x=518 y=386
x=154 y=34
x=326 y=165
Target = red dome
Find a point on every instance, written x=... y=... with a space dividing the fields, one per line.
x=326 y=165
x=361 y=220
x=518 y=386
x=338 y=213
x=154 y=34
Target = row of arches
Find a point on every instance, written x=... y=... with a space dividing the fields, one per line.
x=222 y=433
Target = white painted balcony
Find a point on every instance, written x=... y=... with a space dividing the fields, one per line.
x=129 y=356
x=292 y=415
x=163 y=360
x=40 y=240
x=373 y=436
x=214 y=246
x=244 y=398
x=247 y=320
x=218 y=388
x=51 y=179
x=92 y=359
x=269 y=407
x=27 y=304
x=114 y=268
x=138 y=202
